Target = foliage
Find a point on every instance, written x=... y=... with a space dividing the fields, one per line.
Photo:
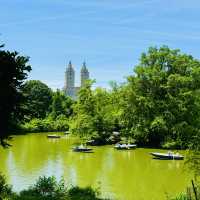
x=61 y=105
x=13 y=72
x=38 y=99
x=45 y=188
x=192 y=193
x=49 y=189
x=60 y=123
x=46 y=111
x=5 y=189
x=159 y=105
x=193 y=156
x=162 y=103
x=181 y=197
x=96 y=113
x=77 y=193
x=171 y=145
x=82 y=121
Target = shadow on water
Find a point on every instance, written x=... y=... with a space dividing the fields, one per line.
x=164 y=159
x=85 y=152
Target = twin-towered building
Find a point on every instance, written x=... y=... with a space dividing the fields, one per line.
x=69 y=87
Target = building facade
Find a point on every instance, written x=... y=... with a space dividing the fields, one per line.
x=69 y=87
x=84 y=74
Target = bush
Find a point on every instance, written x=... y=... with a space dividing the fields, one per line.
x=171 y=145
x=46 y=125
x=5 y=189
x=47 y=188
x=77 y=193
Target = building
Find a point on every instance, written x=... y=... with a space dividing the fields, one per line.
x=69 y=87
x=84 y=74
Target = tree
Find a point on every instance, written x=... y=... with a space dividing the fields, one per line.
x=38 y=99
x=96 y=113
x=13 y=71
x=61 y=105
x=162 y=99
x=82 y=121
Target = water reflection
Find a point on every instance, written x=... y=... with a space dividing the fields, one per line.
x=127 y=175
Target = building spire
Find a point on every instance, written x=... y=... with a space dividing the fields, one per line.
x=70 y=64
x=84 y=74
x=84 y=64
x=84 y=68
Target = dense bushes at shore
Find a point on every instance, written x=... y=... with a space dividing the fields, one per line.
x=49 y=124
x=47 y=188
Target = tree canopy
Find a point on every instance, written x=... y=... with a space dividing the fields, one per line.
x=38 y=99
x=158 y=106
x=96 y=113
x=61 y=105
x=163 y=97
x=13 y=71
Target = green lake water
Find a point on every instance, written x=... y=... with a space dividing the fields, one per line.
x=121 y=175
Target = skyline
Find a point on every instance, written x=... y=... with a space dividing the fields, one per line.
x=109 y=35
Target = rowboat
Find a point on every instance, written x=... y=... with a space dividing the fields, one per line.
x=82 y=148
x=53 y=136
x=125 y=146
x=167 y=156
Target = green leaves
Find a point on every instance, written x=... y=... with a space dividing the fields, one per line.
x=97 y=112
x=61 y=105
x=38 y=98
x=163 y=96
x=5 y=189
x=13 y=71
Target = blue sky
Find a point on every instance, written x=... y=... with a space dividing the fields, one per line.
x=108 y=34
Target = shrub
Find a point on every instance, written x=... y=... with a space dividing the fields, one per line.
x=5 y=189
x=171 y=145
x=77 y=193
x=47 y=188
x=46 y=125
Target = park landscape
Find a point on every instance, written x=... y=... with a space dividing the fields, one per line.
x=158 y=107
x=133 y=140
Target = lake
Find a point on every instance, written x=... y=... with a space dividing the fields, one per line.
x=122 y=175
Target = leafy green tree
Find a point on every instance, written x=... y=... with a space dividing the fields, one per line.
x=162 y=101
x=96 y=113
x=105 y=111
x=38 y=99
x=61 y=105
x=13 y=71
x=82 y=121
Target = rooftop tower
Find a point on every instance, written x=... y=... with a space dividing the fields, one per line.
x=84 y=74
